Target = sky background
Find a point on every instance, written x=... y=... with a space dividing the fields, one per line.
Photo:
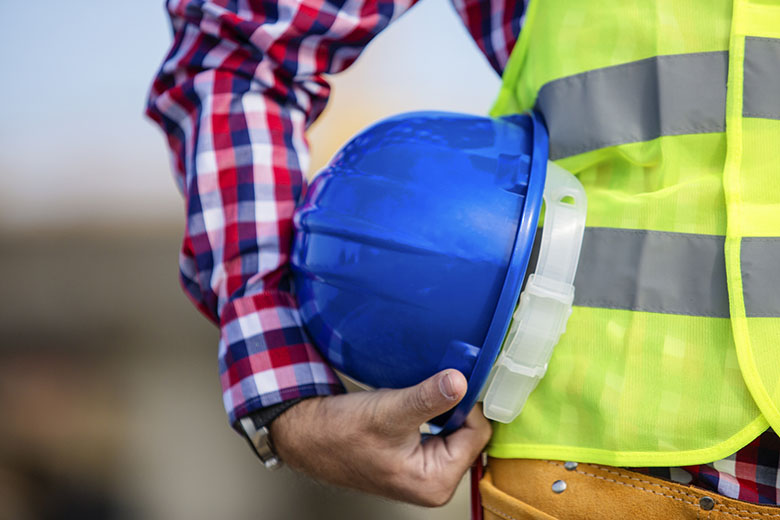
x=75 y=149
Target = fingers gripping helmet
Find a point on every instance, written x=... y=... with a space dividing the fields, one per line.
x=411 y=248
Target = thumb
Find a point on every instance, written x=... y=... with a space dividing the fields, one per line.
x=422 y=402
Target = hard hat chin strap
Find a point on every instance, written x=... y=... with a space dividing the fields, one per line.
x=546 y=302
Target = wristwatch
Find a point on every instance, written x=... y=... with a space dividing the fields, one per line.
x=260 y=439
x=257 y=430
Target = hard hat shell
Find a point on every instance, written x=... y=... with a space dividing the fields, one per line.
x=412 y=244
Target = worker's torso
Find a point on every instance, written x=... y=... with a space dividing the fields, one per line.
x=669 y=113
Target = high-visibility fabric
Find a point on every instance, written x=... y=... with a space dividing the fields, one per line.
x=669 y=118
x=752 y=190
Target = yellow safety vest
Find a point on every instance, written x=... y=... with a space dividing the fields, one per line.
x=668 y=111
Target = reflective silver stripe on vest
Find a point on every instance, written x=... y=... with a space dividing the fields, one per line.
x=652 y=271
x=672 y=273
x=761 y=96
x=760 y=263
x=638 y=101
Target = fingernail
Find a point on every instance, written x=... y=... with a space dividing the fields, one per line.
x=445 y=385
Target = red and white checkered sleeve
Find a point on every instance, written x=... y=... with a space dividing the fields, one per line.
x=242 y=81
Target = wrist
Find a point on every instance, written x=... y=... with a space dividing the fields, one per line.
x=291 y=431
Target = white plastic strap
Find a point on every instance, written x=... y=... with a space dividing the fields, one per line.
x=545 y=304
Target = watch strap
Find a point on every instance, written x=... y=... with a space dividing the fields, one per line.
x=265 y=416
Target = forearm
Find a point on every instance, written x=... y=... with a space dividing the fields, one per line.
x=234 y=97
x=239 y=151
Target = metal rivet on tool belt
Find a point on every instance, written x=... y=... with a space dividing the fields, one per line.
x=706 y=503
x=559 y=486
x=571 y=466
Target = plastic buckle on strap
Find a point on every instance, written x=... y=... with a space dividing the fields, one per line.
x=546 y=302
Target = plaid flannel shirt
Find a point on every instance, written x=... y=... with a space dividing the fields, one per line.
x=242 y=81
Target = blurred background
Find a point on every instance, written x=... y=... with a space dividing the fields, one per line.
x=110 y=404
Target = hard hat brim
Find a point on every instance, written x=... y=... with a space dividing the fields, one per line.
x=510 y=291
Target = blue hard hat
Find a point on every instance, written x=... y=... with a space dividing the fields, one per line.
x=412 y=244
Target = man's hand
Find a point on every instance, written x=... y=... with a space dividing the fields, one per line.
x=371 y=441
